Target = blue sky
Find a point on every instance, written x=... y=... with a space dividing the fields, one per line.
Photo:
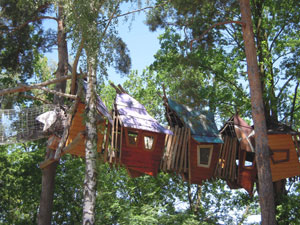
x=142 y=43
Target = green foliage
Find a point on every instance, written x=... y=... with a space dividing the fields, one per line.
x=20 y=182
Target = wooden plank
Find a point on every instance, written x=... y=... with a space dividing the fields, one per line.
x=174 y=149
x=232 y=159
x=186 y=157
x=46 y=163
x=228 y=160
x=112 y=137
x=163 y=159
x=184 y=148
x=120 y=147
x=169 y=149
x=189 y=157
x=107 y=140
x=76 y=140
x=116 y=138
x=223 y=162
x=179 y=149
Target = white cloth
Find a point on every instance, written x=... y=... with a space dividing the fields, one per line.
x=47 y=118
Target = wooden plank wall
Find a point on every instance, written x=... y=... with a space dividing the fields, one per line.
x=284 y=169
x=226 y=167
x=175 y=158
x=76 y=134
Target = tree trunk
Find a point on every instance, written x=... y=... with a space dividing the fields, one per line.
x=89 y=192
x=266 y=196
x=46 y=201
x=48 y=173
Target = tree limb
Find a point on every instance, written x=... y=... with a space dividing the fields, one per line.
x=213 y=26
x=283 y=87
x=275 y=38
x=23 y=87
x=294 y=102
x=33 y=20
x=74 y=69
x=61 y=94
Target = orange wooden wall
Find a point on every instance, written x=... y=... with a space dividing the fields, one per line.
x=199 y=174
x=77 y=126
x=290 y=168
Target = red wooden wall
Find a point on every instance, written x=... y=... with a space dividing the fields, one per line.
x=199 y=174
x=138 y=160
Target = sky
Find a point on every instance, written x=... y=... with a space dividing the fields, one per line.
x=141 y=42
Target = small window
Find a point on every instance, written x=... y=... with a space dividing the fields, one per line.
x=132 y=137
x=148 y=142
x=249 y=159
x=204 y=153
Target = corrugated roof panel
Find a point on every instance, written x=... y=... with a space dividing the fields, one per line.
x=134 y=115
x=201 y=123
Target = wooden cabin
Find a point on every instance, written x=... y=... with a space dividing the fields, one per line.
x=73 y=139
x=193 y=150
x=284 y=148
x=237 y=158
x=75 y=144
x=137 y=138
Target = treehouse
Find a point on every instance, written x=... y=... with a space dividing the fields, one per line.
x=137 y=138
x=236 y=162
x=73 y=139
x=284 y=149
x=75 y=144
x=193 y=150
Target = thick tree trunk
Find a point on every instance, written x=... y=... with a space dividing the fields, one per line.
x=46 y=201
x=48 y=174
x=266 y=196
x=89 y=192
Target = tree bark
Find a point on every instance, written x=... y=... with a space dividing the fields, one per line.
x=46 y=200
x=266 y=196
x=48 y=174
x=89 y=192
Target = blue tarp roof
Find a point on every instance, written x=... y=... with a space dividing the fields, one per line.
x=201 y=123
x=134 y=115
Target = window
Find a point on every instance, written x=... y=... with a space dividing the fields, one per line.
x=249 y=159
x=148 y=142
x=204 y=153
x=132 y=138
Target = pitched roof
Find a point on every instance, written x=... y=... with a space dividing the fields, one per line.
x=134 y=115
x=201 y=123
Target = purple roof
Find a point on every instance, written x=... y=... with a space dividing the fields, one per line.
x=103 y=110
x=134 y=115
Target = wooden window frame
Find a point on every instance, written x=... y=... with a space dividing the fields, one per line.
x=154 y=141
x=127 y=137
x=211 y=147
x=287 y=156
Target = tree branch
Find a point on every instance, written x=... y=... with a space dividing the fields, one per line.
x=33 y=20
x=74 y=69
x=275 y=38
x=283 y=87
x=56 y=92
x=213 y=26
x=23 y=87
x=294 y=102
